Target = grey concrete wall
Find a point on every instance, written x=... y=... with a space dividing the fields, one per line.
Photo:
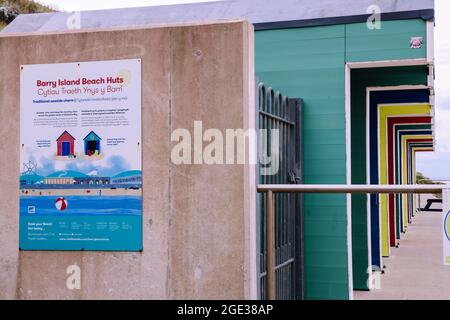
x=198 y=221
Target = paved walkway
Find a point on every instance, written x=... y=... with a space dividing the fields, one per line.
x=415 y=270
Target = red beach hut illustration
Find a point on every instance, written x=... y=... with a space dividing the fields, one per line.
x=66 y=144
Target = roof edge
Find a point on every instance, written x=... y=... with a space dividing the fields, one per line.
x=120 y=28
x=426 y=14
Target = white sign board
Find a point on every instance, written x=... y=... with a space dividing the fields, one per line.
x=446 y=225
x=80 y=156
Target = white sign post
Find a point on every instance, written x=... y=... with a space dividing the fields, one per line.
x=446 y=225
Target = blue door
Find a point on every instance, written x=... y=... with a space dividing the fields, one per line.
x=66 y=148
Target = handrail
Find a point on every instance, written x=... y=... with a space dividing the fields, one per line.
x=272 y=189
x=346 y=188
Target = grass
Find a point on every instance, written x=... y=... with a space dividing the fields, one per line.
x=25 y=6
x=21 y=7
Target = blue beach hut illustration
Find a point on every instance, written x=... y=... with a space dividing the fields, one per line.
x=92 y=144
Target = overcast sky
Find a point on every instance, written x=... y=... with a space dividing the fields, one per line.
x=435 y=165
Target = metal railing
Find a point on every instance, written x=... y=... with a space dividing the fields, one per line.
x=279 y=112
x=271 y=190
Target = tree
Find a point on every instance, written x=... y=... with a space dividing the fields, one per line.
x=422 y=179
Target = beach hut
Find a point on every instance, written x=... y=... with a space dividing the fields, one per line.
x=328 y=53
x=65 y=144
x=376 y=97
x=92 y=144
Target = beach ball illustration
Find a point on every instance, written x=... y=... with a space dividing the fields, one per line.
x=61 y=204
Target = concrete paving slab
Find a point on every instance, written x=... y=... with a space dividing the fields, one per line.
x=415 y=270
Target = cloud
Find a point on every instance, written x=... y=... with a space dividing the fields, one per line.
x=116 y=164
x=46 y=166
x=93 y=173
x=112 y=166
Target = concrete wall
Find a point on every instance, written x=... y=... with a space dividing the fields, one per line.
x=198 y=220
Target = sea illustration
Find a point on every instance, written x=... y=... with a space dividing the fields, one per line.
x=81 y=206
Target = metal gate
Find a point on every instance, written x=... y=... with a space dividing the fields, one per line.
x=280 y=112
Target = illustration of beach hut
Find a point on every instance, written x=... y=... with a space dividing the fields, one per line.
x=92 y=144
x=65 y=144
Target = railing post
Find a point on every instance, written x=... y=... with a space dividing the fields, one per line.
x=270 y=246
